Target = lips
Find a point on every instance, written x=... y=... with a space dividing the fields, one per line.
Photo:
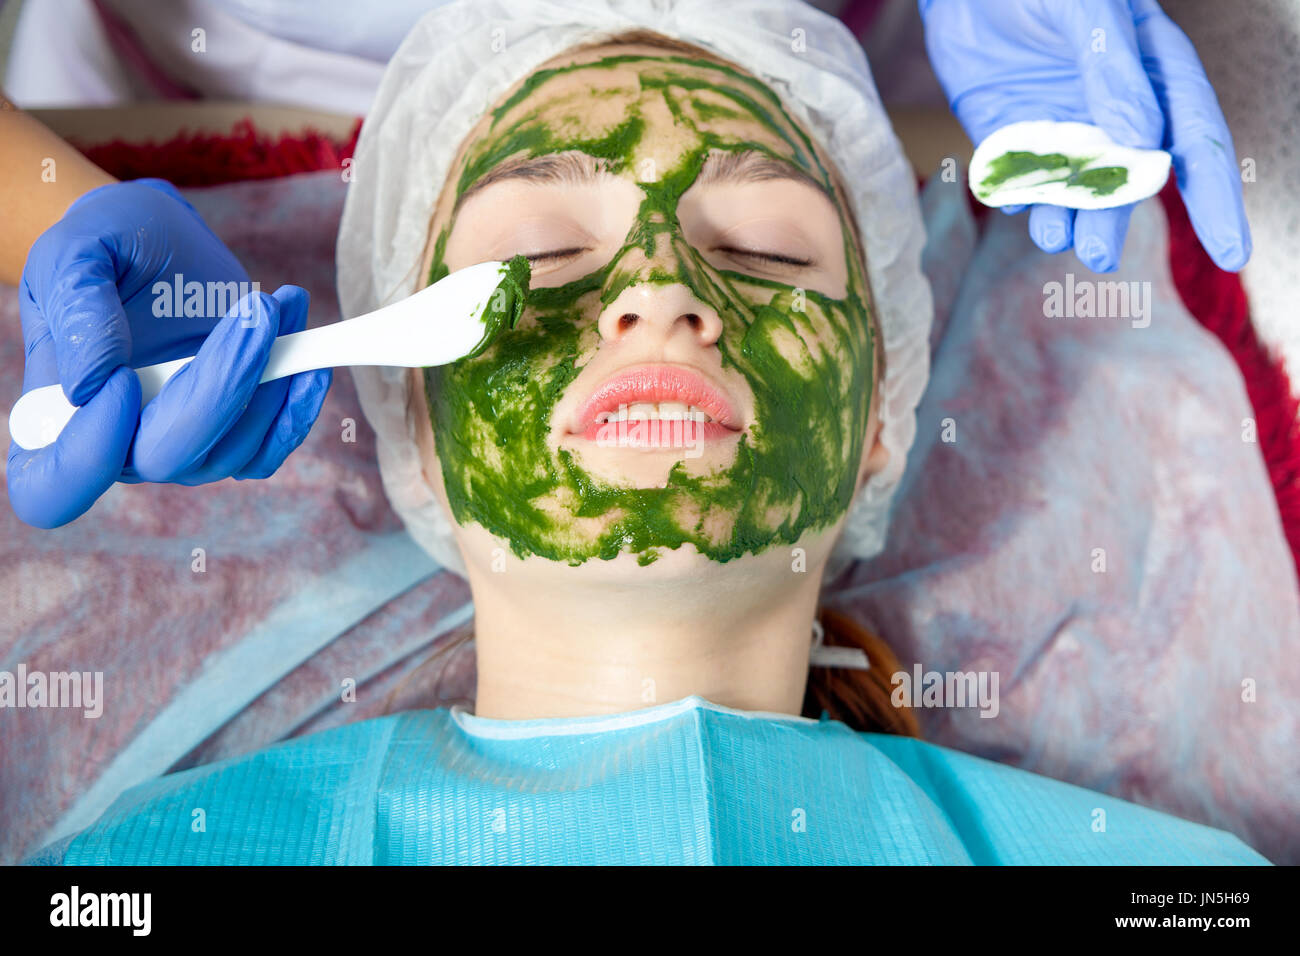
x=656 y=406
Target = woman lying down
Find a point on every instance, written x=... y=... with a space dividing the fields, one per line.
x=708 y=400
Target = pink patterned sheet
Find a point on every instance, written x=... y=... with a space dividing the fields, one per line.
x=315 y=607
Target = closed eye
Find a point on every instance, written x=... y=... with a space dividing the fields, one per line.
x=765 y=256
x=556 y=254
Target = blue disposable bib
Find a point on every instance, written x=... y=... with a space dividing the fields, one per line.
x=688 y=782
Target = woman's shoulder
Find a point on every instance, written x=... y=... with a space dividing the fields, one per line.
x=1008 y=815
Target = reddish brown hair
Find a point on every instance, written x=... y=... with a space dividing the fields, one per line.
x=860 y=699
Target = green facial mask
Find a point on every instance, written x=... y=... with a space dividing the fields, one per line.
x=807 y=357
x=1101 y=180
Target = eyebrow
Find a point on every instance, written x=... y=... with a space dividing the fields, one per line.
x=751 y=166
x=573 y=168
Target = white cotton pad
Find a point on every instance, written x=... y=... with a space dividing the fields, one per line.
x=1063 y=164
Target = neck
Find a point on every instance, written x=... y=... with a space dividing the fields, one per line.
x=563 y=643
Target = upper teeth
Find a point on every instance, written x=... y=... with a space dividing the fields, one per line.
x=649 y=411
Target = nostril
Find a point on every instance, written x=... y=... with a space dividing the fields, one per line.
x=693 y=320
x=627 y=320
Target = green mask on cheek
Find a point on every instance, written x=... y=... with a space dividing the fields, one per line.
x=806 y=357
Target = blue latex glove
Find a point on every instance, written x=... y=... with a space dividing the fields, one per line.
x=1120 y=64
x=87 y=302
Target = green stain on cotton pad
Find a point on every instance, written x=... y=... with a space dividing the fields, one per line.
x=505 y=306
x=1019 y=163
x=1075 y=165
x=1102 y=180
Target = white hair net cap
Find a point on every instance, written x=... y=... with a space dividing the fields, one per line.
x=460 y=59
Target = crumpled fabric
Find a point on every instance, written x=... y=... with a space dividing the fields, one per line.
x=312 y=581
x=688 y=782
x=1087 y=514
x=306 y=580
x=445 y=75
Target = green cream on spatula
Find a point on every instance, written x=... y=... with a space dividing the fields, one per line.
x=505 y=307
x=458 y=316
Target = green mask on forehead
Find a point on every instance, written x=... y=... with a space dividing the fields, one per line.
x=806 y=356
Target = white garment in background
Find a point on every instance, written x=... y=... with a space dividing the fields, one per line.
x=325 y=54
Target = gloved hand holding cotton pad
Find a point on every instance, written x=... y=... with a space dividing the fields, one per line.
x=1076 y=165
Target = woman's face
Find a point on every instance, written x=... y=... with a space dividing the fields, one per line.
x=695 y=363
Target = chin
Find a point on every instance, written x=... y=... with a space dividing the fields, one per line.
x=682 y=569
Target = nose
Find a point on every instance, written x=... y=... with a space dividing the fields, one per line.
x=660 y=312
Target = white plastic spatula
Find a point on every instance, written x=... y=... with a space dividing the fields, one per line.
x=435 y=326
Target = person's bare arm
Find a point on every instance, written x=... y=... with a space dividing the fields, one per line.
x=40 y=177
